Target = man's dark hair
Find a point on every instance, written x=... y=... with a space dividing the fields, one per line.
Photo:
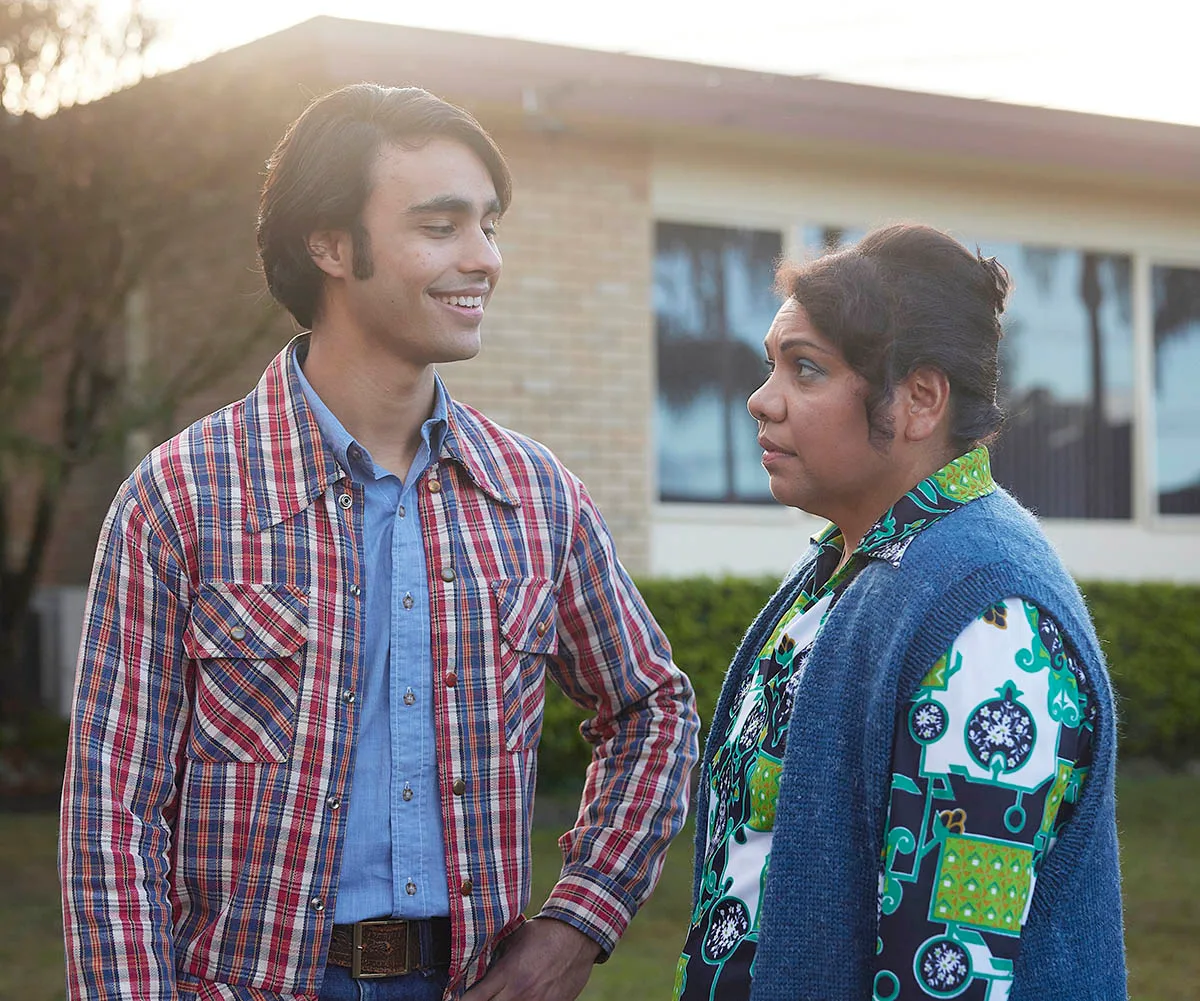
x=907 y=297
x=319 y=177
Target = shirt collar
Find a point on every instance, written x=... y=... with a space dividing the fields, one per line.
x=957 y=483
x=346 y=450
x=286 y=463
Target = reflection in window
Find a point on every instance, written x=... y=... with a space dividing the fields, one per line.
x=713 y=303
x=1066 y=377
x=1176 y=392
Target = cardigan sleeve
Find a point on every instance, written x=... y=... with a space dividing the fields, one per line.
x=988 y=759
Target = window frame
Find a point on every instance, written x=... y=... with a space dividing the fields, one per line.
x=1146 y=259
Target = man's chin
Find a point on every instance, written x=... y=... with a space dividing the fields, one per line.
x=462 y=350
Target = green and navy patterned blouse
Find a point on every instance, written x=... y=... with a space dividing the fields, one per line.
x=988 y=760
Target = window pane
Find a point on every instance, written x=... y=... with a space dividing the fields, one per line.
x=1066 y=376
x=1176 y=396
x=1067 y=382
x=713 y=303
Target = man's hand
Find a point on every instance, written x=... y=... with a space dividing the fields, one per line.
x=543 y=960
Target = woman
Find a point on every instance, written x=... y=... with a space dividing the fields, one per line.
x=907 y=789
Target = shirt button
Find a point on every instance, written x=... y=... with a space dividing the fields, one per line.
x=317 y=904
x=334 y=803
x=408 y=601
x=451 y=679
x=447 y=574
x=410 y=697
x=410 y=888
x=435 y=486
x=238 y=633
x=355 y=590
x=400 y=511
x=407 y=794
x=466 y=888
x=355 y=453
x=541 y=628
x=346 y=501
x=348 y=696
x=459 y=787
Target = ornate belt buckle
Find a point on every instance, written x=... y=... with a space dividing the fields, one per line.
x=356 y=952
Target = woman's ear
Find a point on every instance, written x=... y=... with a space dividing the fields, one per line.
x=924 y=411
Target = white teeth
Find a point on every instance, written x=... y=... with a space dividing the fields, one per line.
x=466 y=301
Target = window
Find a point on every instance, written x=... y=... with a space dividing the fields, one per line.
x=713 y=304
x=1176 y=396
x=1066 y=377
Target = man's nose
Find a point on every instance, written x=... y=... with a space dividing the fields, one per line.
x=483 y=256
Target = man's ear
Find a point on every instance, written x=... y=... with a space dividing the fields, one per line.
x=924 y=395
x=330 y=251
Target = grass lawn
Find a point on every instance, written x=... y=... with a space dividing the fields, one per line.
x=1160 y=830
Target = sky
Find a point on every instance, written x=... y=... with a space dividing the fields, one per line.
x=1135 y=60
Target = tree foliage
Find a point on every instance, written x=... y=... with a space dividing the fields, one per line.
x=54 y=53
x=95 y=196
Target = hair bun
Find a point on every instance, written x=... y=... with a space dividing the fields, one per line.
x=998 y=281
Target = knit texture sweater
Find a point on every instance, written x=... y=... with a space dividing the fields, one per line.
x=820 y=911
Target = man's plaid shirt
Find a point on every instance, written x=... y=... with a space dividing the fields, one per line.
x=212 y=744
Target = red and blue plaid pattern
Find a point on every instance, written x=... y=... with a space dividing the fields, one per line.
x=215 y=716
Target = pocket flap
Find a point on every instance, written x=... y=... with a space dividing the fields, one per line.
x=247 y=619
x=527 y=611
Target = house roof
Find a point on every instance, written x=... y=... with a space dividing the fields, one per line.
x=552 y=83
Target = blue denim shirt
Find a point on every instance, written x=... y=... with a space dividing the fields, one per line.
x=394 y=861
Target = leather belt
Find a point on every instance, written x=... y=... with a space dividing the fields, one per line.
x=388 y=948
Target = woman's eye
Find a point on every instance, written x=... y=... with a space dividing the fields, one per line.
x=805 y=367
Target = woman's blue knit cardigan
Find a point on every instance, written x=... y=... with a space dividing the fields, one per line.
x=819 y=916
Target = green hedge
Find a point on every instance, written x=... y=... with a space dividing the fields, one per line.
x=1151 y=637
x=1150 y=634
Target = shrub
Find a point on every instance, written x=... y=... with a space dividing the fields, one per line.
x=1150 y=634
x=1151 y=637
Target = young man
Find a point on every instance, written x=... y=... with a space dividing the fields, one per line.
x=310 y=687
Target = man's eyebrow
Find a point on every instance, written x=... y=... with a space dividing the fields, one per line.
x=454 y=204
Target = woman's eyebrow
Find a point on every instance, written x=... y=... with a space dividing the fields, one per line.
x=800 y=343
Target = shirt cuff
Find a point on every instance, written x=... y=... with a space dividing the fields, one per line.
x=594 y=905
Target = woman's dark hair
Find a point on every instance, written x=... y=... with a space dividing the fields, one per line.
x=907 y=297
x=319 y=177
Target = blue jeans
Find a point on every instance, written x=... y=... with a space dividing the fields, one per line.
x=426 y=985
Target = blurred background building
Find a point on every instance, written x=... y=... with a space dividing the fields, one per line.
x=653 y=199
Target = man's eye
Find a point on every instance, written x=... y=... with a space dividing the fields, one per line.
x=439 y=229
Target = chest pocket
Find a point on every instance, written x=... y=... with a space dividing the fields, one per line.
x=248 y=640
x=526 y=611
